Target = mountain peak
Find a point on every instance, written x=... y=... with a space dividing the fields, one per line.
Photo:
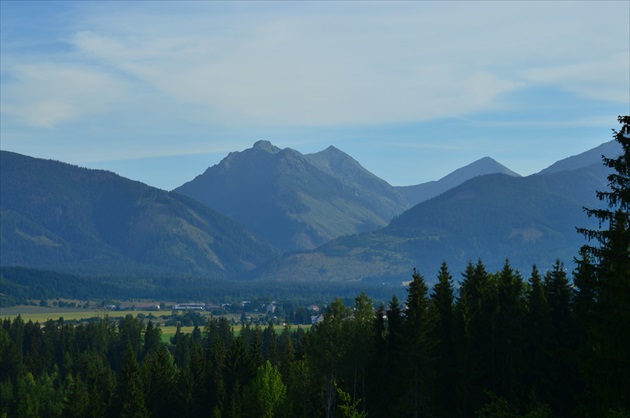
x=485 y=165
x=332 y=149
x=266 y=146
x=425 y=191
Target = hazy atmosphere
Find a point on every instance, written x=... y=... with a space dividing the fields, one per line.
x=159 y=91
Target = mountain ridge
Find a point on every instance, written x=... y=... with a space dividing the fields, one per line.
x=609 y=149
x=109 y=223
x=73 y=219
x=419 y=193
x=529 y=220
x=296 y=201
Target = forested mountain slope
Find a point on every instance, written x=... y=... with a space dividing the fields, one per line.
x=66 y=218
x=610 y=149
x=296 y=201
x=528 y=220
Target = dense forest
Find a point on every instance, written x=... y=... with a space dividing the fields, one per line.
x=492 y=345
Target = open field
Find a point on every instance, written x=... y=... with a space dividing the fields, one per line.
x=168 y=332
x=43 y=314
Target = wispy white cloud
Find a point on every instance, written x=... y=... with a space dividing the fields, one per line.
x=149 y=79
x=48 y=94
x=347 y=64
x=605 y=79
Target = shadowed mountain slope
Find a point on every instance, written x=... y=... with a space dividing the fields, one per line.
x=425 y=191
x=610 y=149
x=528 y=220
x=66 y=218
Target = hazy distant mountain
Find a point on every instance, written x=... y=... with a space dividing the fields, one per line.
x=296 y=201
x=62 y=217
x=387 y=202
x=493 y=217
x=609 y=149
x=425 y=191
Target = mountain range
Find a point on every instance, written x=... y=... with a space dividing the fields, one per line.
x=296 y=201
x=332 y=218
x=494 y=217
x=61 y=217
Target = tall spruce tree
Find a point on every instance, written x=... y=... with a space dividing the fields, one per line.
x=130 y=388
x=442 y=355
x=398 y=381
x=475 y=337
x=419 y=325
x=538 y=332
x=609 y=338
x=562 y=342
x=509 y=340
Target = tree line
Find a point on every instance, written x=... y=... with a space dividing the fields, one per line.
x=502 y=347
x=497 y=345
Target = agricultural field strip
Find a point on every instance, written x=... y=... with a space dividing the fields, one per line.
x=41 y=315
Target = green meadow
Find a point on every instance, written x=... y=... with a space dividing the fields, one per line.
x=43 y=314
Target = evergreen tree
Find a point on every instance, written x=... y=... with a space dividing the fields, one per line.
x=288 y=352
x=585 y=283
x=326 y=350
x=360 y=333
x=376 y=404
x=238 y=372
x=509 y=343
x=538 y=333
x=397 y=386
x=609 y=337
x=256 y=347
x=442 y=355
x=130 y=335
x=270 y=344
x=419 y=325
x=475 y=337
x=130 y=388
x=77 y=399
x=152 y=339
x=159 y=375
x=562 y=341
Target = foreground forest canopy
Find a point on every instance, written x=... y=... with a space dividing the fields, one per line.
x=502 y=345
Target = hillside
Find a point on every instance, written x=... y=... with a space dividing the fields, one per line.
x=425 y=191
x=594 y=156
x=528 y=220
x=296 y=201
x=66 y=218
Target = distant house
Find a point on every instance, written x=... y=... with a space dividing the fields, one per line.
x=189 y=307
x=148 y=308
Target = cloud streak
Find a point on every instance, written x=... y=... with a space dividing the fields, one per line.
x=47 y=94
x=119 y=80
x=321 y=64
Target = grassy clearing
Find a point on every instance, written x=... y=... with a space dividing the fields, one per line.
x=169 y=331
x=43 y=314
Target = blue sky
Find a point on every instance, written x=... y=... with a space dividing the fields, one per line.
x=159 y=91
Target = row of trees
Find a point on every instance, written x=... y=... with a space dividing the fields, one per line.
x=502 y=347
x=498 y=346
